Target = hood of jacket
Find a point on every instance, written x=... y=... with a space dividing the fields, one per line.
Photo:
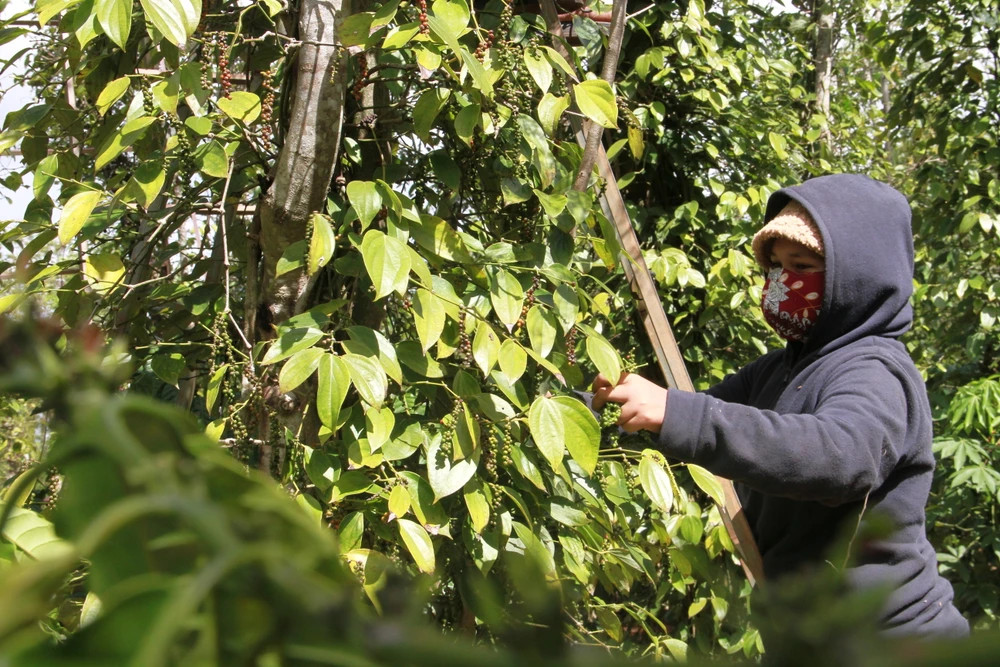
x=868 y=247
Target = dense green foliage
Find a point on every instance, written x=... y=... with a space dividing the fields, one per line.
x=401 y=357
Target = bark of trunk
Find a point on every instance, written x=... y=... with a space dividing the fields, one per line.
x=301 y=182
x=824 y=17
x=305 y=165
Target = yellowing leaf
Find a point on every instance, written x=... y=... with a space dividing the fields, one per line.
x=418 y=543
x=103 y=271
x=399 y=500
x=111 y=94
x=75 y=213
x=708 y=483
x=596 y=101
x=513 y=360
x=322 y=243
x=241 y=105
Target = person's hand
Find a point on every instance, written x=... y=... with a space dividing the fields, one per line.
x=643 y=402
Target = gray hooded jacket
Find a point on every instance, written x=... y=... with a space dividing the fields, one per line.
x=825 y=430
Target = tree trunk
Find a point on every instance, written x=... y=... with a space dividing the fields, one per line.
x=305 y=165
x=824 y=16
x=301 y=183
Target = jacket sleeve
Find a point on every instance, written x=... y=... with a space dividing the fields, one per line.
x=838 y=452
x=735 y=388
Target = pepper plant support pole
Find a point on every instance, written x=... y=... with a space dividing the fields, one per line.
x=654 y=318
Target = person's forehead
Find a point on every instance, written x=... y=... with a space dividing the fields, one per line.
x=791 y=247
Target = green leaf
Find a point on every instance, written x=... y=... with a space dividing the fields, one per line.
x=33 y=535
x=554 y=205
x=147 y=182
x=567 y=305
x=168 y=366
x=596 y=101
x=418 y=543
x=507 y=297
x=365 y=199
x=604 y=356
x=212 y=160
x=453 y=15
x=399 y=36
x=122 y=139
x=48 y=8
x=541 y=330
x=379 y=423
x=175 y=19
x=478 y=504
x=387 y=261
x=399 y=500
x=352 y=531
x=561 y=423
x=44 y=175
x=779 y=144
x=75 y=213
x=355 y=29
x=466 y=122
x=84 y=23
x=513 y=360
x=539 y=68
x=214 y=384
x=104 y=271
x=428 y=317
x=708 y=483
x=550 y=111
x=350 y=483
x=292 y=258
x=334 y=379
x=241 y=105
x=437 y=236
x=485 y=347
x=426 y=110
x=446 y=475
x=115 y=16
x=655 y=481
x=298 y=368
x=368 y=377
x=370 y=343
x=290 y=342
x=322 y=243
x=111 y=93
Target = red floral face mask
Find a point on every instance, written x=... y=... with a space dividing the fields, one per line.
x=791 y=301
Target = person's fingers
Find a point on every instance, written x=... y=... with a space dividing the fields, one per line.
x=631 y=426
x=600 y=382
x=599 y=398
